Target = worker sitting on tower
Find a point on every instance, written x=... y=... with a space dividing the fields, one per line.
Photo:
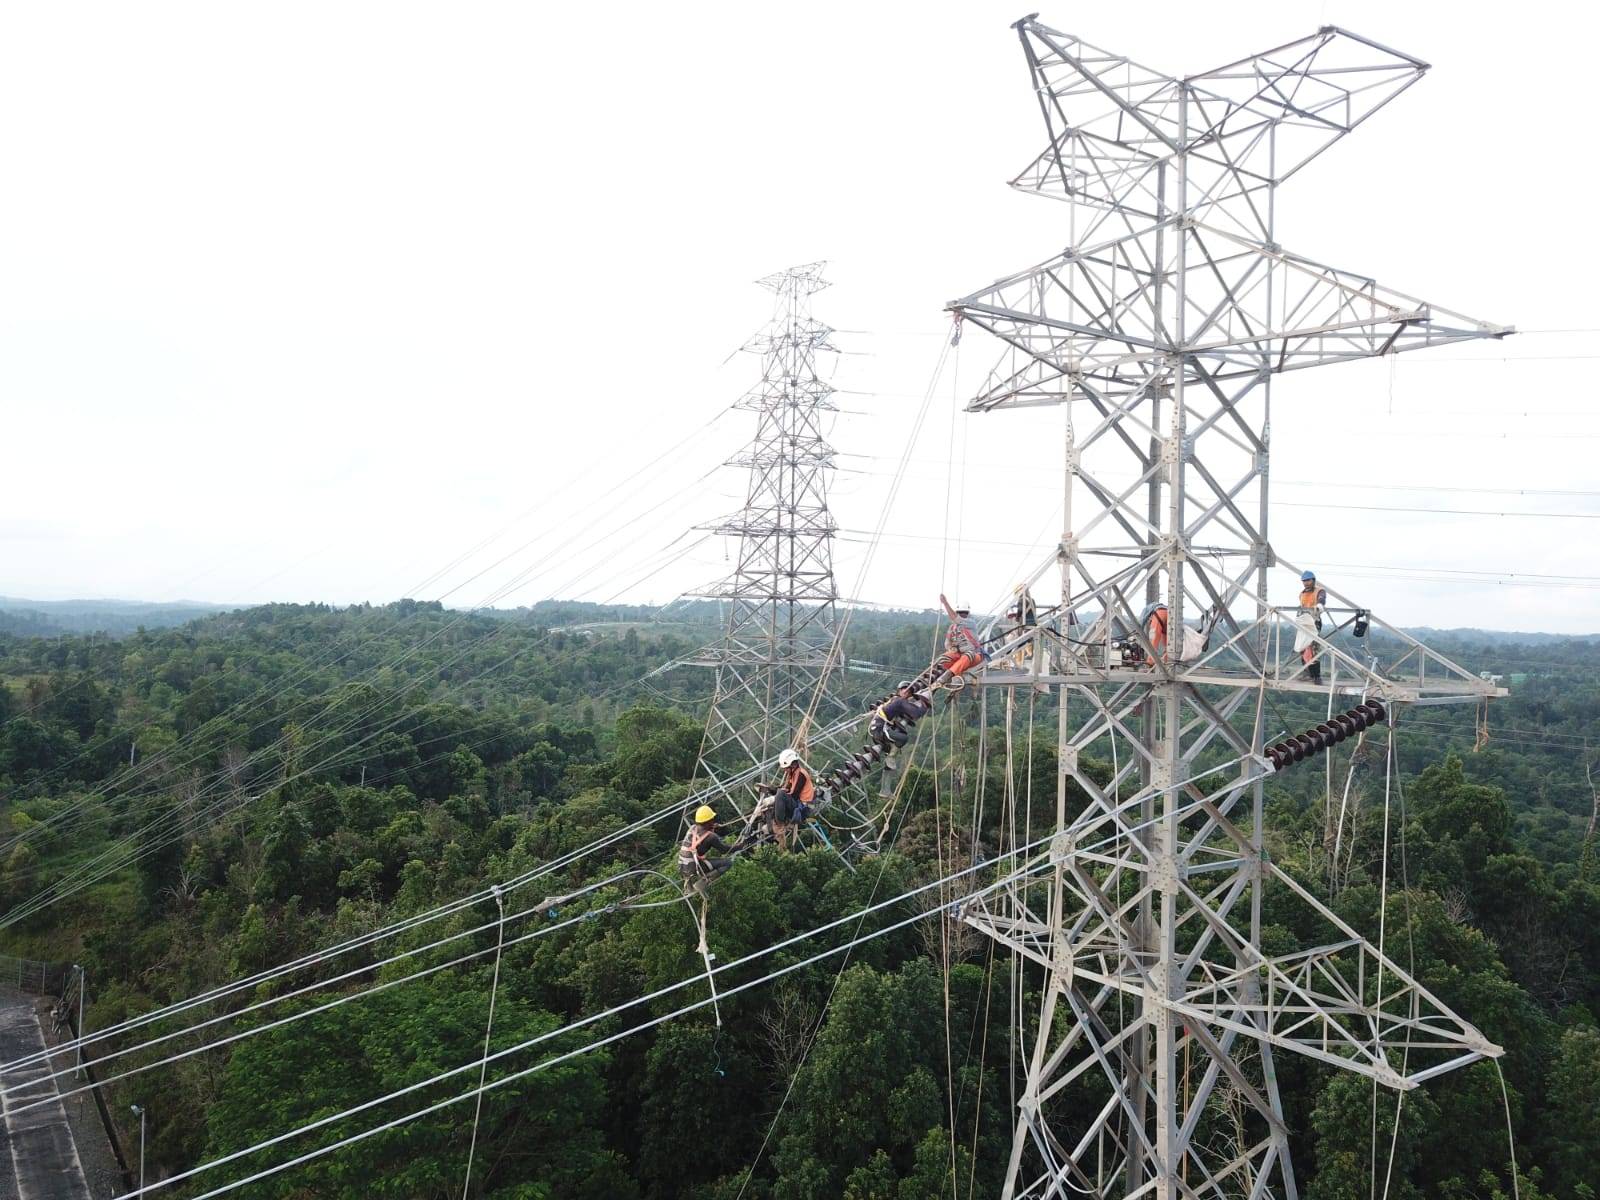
x=1308 y=623
x=792 y=803
x=702 y=840
x=891 y=723
x=962 y=650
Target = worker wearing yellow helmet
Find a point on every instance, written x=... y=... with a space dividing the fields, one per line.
x=702 y=840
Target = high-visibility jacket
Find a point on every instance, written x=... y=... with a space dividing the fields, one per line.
x=1313 y=596
x=797 y=782
x=699 y=840
x=962 y=636
x=1157 y=632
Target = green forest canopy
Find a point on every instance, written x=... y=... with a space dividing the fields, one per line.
x=334 y=770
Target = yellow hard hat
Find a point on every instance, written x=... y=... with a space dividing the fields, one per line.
x=703 y=814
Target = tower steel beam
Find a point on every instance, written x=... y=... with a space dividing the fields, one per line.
x=1160 y=332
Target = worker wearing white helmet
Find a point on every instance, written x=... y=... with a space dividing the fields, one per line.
x=792 y=803
x=962 y=650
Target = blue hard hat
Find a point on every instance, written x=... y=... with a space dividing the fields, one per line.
x=1307 y=576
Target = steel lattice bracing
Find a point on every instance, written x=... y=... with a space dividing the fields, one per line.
x=781 y=599
x=1160 y=331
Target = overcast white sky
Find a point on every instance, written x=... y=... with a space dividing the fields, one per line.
x=309 y=301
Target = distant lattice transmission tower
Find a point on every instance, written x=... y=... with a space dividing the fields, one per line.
x=781 y=599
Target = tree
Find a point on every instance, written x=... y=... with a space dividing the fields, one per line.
x=1458 y=826
x=654 y=746
x=284 y=849
x=869 y=1084
x=540 y=1132
x=1570 y=1131
x=1343 y=1121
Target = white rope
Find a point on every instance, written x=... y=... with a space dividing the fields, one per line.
x=816 y=1033
x=1511 y=1138
x=836 y=648
x=1383 y=915
x=488 y=1029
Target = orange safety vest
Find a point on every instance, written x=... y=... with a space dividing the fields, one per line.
x=689 y=853
x=796 y=774
x=1158 y=629
x=1312 y=596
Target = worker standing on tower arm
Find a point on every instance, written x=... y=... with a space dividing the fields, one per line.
x=703 y=840
x=792 y=804
x=1308 y=623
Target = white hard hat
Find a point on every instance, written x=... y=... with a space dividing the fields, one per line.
x=788 y=758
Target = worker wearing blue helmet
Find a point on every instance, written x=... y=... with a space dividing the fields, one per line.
x=1308 y=623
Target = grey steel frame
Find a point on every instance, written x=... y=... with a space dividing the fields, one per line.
x=1160 y=330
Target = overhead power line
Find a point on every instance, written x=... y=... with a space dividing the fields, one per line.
x=1454 y=512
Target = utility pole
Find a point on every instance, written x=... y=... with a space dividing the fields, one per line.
x=78 y=1040
x=1159 y=332
x=781 y=600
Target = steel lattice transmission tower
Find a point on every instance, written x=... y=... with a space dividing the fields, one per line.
x=782 y=601
x=1161 y=330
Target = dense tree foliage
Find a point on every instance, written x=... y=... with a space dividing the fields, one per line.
x=264 y=784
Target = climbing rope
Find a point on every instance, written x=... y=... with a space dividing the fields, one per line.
x=488 y=1030
x=1511 y=1138
x=836 y=648
x=816 y=1030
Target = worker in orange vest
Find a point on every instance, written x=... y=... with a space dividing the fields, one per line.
x=962 y=650
x=792 y=804
x=1308 y=623
x=1156 y=631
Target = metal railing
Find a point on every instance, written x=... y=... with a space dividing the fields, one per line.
x=31 y=975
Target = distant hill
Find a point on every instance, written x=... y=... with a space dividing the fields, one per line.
x=52 y=618
x=1501 y=636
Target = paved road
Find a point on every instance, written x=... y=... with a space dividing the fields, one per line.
x=38 y=1160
